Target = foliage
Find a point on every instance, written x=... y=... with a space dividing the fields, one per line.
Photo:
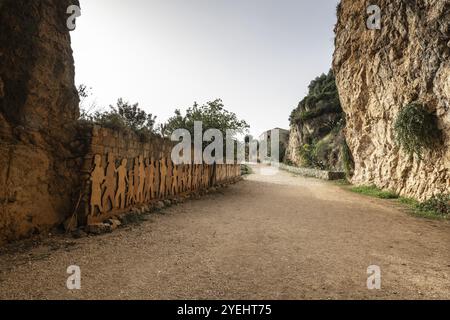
x=320 y=120
x=439 y=204
x=245 y=169
x=306 y=153
x=373 y=191
x=124 y=116
x=322 y=98
x=328 y=153
x=86 y=106
x=416 y=129
x=213 y=115
x=347 y=159
x=438 y=207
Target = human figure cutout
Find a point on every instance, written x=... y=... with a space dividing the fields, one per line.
x=188 y=177
x=183 y=178
x=169 y=176
x=191 y=176
x=162 y=177
x=109 y=184
x=152 y=179
x=180 y=172
x=141 y=171
x=97 y=178
x=175 y=180
x=155 y=179
x=196 y=167
x=147 y=182
x=122 y=180
x=130 y=191
x=136 y=180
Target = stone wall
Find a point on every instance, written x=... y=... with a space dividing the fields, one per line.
x=39 y=151
x=313 y=173
x=380 y=71
x=122 y=173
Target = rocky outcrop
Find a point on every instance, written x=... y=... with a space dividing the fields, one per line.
x=293 y=146
x=316 y=138
x=380 y=71
x=38 y=111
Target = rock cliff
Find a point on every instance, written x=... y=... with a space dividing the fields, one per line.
x=380 y=71
x=316 y=137
x=38 y=111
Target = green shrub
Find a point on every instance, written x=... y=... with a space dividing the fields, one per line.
x=416 y=129
x=123 y=117
x=440 y=205
x=245 y=169
x=436 y=207
x=306 y=153
x=347 y=159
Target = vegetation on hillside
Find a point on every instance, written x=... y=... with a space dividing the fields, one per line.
x=320 y=121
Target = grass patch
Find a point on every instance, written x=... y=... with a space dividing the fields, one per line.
x=373 y=191
x=438 y=207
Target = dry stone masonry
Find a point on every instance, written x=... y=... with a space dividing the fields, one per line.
x=122 y=173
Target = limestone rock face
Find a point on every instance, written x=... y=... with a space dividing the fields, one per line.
x=38 y=110
x=293 y=147
x=316 y=137
x=380 y=71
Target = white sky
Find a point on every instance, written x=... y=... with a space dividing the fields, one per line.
x=256 y=55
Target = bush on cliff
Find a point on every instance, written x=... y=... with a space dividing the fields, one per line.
x=416 y=129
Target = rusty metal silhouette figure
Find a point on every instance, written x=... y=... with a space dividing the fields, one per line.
x=141 y=172
x=130 y=191
x=120 y=198
x=162 y=177
x=136 y=180
x=175 y=180
x=97 y=178
x=109 y=184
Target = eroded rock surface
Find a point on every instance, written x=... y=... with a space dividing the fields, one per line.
x=38 y=110
x=380 y=71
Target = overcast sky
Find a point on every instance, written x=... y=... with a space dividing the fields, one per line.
x=256 y=55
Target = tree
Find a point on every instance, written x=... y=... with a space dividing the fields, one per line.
x=213 y=115
x=124 y=116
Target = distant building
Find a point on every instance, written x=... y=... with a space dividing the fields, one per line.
x=284 y=140
x=284 y=135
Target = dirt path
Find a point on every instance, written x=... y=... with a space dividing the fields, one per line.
x=268 y=237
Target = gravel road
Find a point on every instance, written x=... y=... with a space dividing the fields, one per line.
x=267 y=237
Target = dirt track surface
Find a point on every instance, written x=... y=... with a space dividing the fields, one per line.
x=268 y=237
